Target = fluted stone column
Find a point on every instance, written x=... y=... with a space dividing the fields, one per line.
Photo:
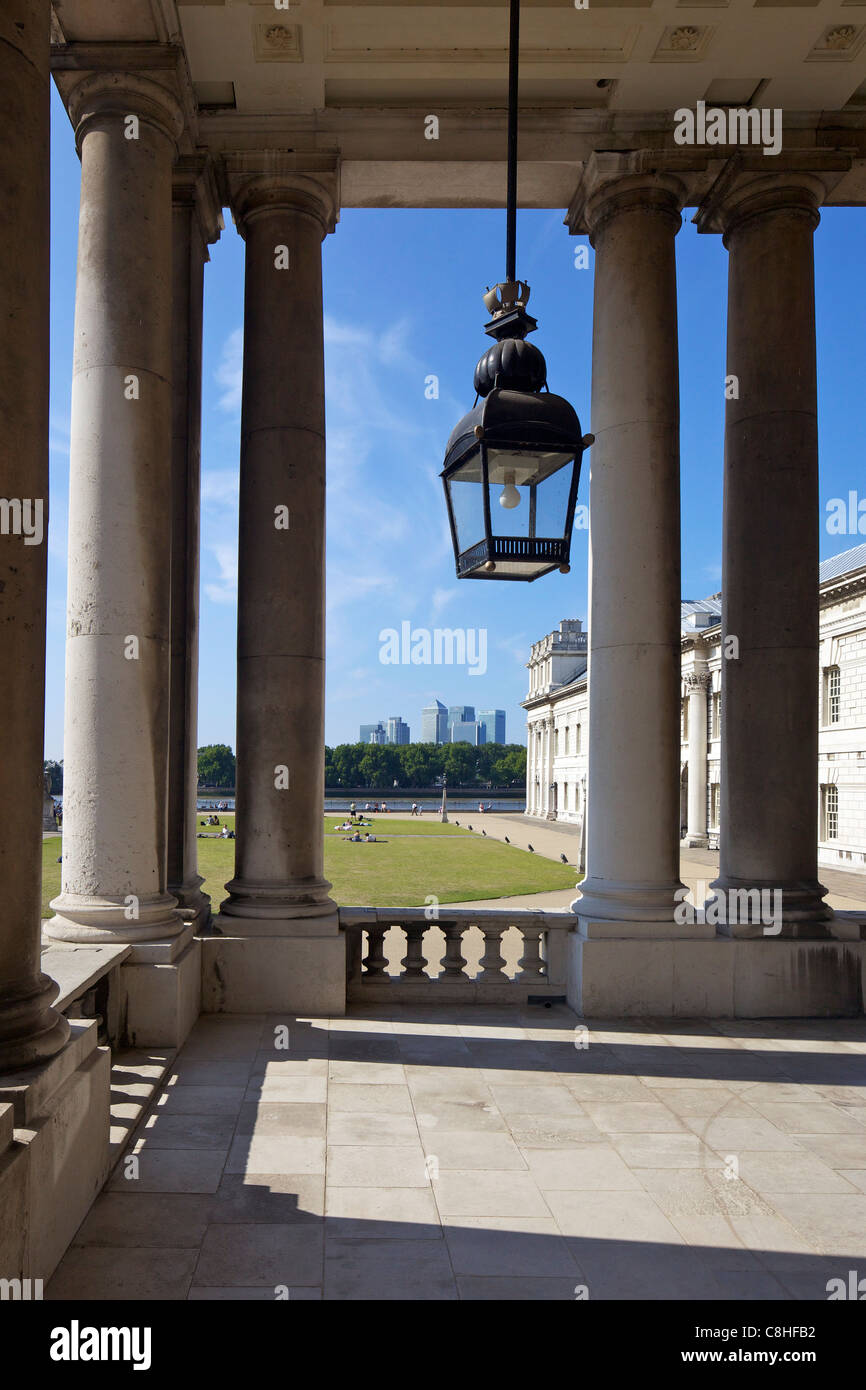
x=196 y=221
x=769 y=753
x=30 y=1029
x=697 y=685
x=279 y=885
x=634 y=625
x=117 y=655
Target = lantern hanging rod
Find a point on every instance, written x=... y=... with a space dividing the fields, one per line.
x=511 y=189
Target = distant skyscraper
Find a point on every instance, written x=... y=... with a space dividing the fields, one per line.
x=492 y=722
x=372 y=733
x=460 y=714
x=396 y=731
x=434 y=723
x=464 y=731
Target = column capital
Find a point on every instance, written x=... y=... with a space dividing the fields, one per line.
x=746 y=189
x=194 y=185
x=612 y=183
x=264 y=181
x=697 y=680
x=121 y=94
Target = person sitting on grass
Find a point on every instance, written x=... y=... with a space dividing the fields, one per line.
x=355 y=837
x=370 y=838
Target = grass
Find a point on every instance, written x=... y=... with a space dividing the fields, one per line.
x=401 y=869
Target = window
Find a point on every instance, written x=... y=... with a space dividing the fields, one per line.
x=715 y=803
x=577 y=738
x=684 y=721
x=567 y=738
x=556 y=742
x=832 y=694
x=830 y=816
x=716 y=715
x=565 y=796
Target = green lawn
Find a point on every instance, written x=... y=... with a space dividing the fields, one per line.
x=401 y=869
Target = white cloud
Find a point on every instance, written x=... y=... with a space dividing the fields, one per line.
x=223 y=587
x=230 y=371
x=220 y=486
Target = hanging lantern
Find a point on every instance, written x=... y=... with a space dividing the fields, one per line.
x=512 y=464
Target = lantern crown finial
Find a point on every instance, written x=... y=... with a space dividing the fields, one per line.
x=506 y=303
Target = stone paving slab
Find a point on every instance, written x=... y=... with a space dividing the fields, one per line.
x=427 y=1153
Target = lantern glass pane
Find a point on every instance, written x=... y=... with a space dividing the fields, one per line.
x=528 y=465
x=467 y=502
x=551 y=503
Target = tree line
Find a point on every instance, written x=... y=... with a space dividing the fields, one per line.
x=383 y=764
x=378 y=765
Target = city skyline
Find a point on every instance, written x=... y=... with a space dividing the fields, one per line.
x=437 y=724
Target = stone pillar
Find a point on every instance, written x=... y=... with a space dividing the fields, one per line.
x=30 y=1029
x=697 y=684
x=634 y=625
x=769 y=820
x=196 y=221
x=279 y=889
x=544 y=784
x=114 y=886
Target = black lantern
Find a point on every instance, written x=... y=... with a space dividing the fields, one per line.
x=512 y=464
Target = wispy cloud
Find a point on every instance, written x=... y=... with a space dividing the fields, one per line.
x=222 y=586
x=230 y=371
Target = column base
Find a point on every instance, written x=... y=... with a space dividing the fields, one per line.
x=608 y=900
x=768 y=908
x=299 y=969
x=160 y=989
x=92 y=921
x=694 y=841
x=721 y=977
x=31 y=1031
x=192 y=904
x=55 y=1160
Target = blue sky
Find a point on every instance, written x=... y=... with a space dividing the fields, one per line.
x=402 y=303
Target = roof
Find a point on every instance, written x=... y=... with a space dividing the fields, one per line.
x=844 y=563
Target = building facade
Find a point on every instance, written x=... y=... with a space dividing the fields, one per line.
x=464 y=731
x=558 y=714
x=492 y=726
x=434 y=723
x=396 y=731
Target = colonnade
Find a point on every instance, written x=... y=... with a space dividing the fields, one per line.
x=149 y=208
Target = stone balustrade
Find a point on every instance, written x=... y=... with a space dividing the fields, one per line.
x=464 y=955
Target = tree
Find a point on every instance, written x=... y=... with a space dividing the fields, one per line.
x=54 y=773
x=216 y=765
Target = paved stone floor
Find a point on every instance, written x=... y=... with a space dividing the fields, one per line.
x=427 y=1153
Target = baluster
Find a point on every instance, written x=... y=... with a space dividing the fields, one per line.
x=453 y=960
x=533 y=969
x=375 y=961
x=413 y=962
x=492 y=961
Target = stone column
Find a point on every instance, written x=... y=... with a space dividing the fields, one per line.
x=196 y=221
x=30 y=1029
x=117 y=654
x=634 y=625
x=697 y=684
x=279 y=857
x=544 y=770
x=769 y=820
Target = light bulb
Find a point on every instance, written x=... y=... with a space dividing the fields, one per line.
x=509 y=497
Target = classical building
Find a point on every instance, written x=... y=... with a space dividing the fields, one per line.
x=283 y=116
x=558 y=717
